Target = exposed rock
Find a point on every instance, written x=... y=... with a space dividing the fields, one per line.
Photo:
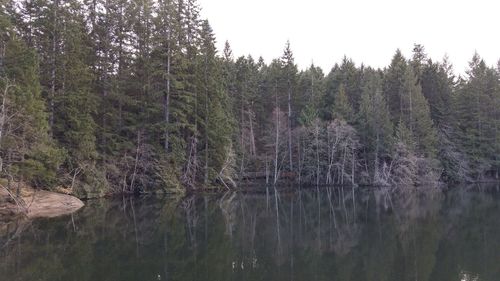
x=38 y=203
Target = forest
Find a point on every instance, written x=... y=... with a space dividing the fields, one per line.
x=122 y=96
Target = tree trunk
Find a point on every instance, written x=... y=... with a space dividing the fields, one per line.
x=253 y=150
x=267 y=170
x=105 y=70
x=166 y=97
x=53 y=67
x=3 y=114
x=120 y=67
x=2 y=56
x=136 y=162
x=353 y=166
x=276 y=143
x=242 y=136
x=376 y=172
x=411 y=114
x=166 y=107
x=343 y=166
x=317 y=154
x=206 y=121
x=290 y=125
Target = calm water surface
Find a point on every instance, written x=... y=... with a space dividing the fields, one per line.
x=305 y=235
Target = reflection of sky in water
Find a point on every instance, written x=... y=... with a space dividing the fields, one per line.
x=305 y=235
x=467 y=276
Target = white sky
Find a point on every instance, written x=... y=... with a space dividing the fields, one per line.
x=367 y=31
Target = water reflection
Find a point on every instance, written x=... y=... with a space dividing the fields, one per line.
x=314 y=234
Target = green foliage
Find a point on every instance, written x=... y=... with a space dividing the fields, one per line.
x=308 y=115
x=341 y=108
x=130 y=96
x=374 y=123
x=26 y=149
x=394 y=85
x=348 y=75
x=41 y=166
x=419 y=117
x=405 y=136
x=477 y=111
x=310 y=89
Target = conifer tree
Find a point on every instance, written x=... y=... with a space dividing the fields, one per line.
x=290 y=72
x=374 y=124
x=476 y=111
x=217 y=125
x=26 y=148
x=349 y=76
x=310 y=88
x=393 y=86
x=417 y=115
x=342 y=108
x=130 y=95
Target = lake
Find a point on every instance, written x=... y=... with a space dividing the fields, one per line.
x=303 y=234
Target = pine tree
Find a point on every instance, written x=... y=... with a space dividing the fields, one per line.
x=248 y=111
x=75 y=104
x=217 y=124
x=477 y=109
x=407 y=103
x=393 y=86
x=342 y=108
x=374 y=124
x=418 y=60
x=131 y=95
x=437 y=88
x=310 y=88
x=289 y=73
x=405 y=136
x=417 y=115
x=350 y=77
x=27 y=151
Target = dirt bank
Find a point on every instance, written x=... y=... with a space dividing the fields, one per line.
x=36 y=203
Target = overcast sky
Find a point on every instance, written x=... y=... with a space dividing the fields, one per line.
x=368 y=31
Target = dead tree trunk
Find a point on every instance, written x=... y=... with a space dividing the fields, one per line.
x=136 y=162
x=2 y=55
x=253 y=150
x=3 y=110
x=353 y=166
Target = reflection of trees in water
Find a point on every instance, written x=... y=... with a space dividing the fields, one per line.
x=189 y=208
x=86 y=245
x=313 y=223
x=313 y=234
x=383 y=236
x=229 y=208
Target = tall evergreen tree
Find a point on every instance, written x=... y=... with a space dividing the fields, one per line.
x=342 y=108
x=417 y=115
x=290 y=72
x=26 y=150
x=477 y=111
x=374 y=123
x=393 y=85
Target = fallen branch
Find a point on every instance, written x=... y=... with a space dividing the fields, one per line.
x=19 y=201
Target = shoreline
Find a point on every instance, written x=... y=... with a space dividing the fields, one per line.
x=30 y=203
